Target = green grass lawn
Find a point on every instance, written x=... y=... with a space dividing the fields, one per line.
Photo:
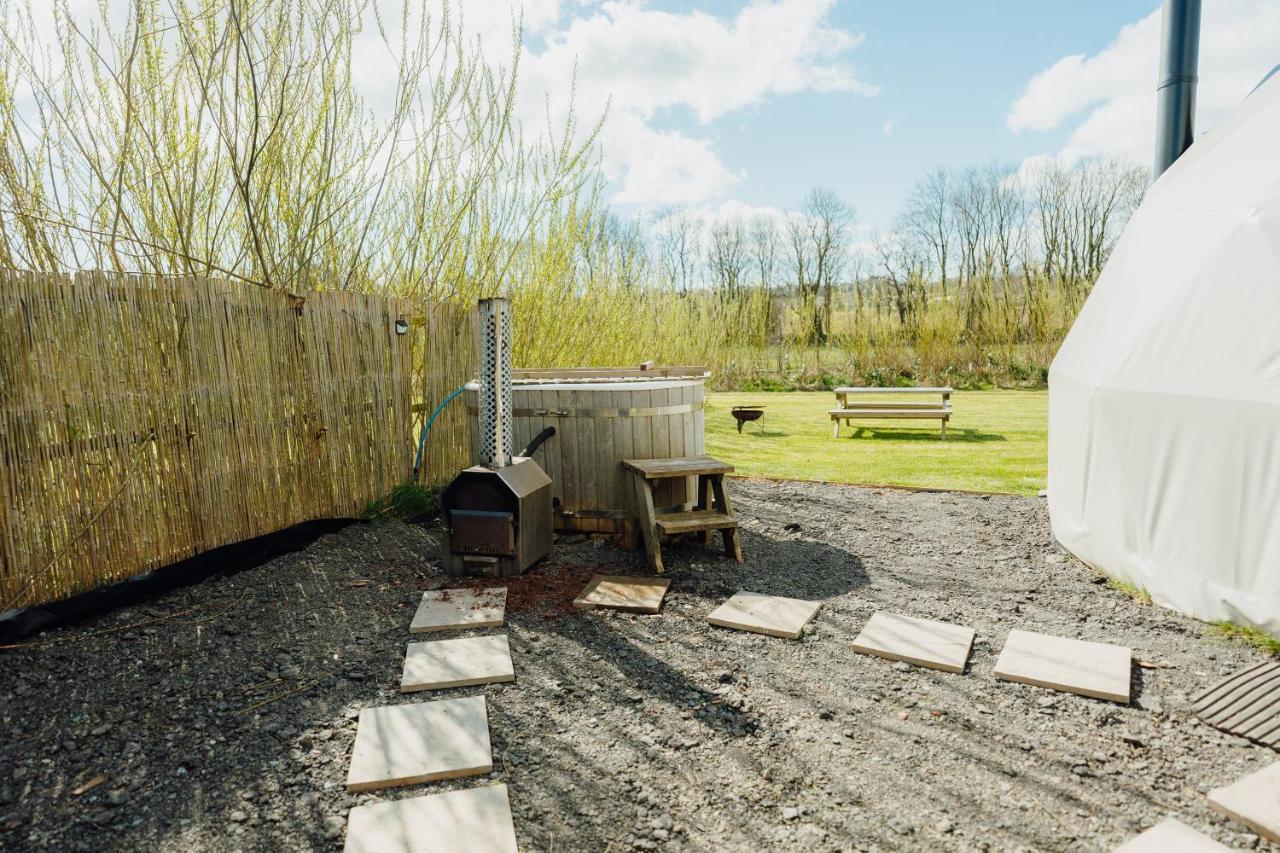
x=996 y=442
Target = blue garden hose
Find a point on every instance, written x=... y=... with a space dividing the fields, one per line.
x=422 y=439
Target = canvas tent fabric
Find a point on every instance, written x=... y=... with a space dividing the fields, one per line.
x=1164 y=400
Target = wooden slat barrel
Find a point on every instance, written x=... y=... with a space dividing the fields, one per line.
x=598 y=424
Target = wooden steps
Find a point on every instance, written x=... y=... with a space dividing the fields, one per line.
x=673 y=523
x=713 y=512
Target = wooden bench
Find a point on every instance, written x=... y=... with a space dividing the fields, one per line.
x=713 y=511
x=895 y=410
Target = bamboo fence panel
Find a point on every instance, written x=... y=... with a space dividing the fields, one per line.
x=444 y=359
x=146 y=419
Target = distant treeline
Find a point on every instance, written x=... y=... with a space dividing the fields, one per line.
x=233 y=140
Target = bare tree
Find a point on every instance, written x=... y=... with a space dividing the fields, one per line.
x=818 y=238
x=766 y=248
x=903 y=257
x=678 y=237
x=727 y=256
x=929 y=215
x=1078 y=214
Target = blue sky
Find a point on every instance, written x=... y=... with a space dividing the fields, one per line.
x=948 y=74
x=724 y=107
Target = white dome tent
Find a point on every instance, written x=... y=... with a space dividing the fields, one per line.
x=1164 y=401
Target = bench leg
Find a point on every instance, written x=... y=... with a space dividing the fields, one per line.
x=732 y=543
x=705 y=502
x=835 y=427
x=648 y=522
x=944 y=429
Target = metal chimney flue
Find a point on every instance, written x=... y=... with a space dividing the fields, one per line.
x=1176 y=87
x=497 y=515
x=494 y=319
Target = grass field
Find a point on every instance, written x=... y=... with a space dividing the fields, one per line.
x=996 y=441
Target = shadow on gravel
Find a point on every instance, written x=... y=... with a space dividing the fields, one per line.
x=634 y=673
x=791 y=567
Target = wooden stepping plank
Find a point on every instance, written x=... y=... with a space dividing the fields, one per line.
x=623 y=592
x=1253 y=801
x=1171 y=836
x=689 y=522
x=422 y=742
x=448 y=609
x=439 y=664
x=1099 y=670
x=1245 y=704
x=475 y=820
x=923 y=642
x=765 y=614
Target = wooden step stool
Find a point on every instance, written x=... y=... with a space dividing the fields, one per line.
x=713 y=512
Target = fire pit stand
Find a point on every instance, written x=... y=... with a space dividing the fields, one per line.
x=744 y=414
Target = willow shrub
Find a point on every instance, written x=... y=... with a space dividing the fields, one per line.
x=234 y=139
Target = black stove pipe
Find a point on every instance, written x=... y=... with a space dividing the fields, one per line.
x=1176 y=87
x=533 y=446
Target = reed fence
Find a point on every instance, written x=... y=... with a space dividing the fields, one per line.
x=444 y=357
x=146 y=419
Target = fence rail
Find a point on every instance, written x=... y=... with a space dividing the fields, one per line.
x=144 y=419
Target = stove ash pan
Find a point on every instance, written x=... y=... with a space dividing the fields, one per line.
x=497 y=520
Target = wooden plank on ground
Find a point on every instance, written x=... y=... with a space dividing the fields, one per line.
x=1171 y=836
x=461 y=662
x=772 y=615
x=449 y=609
x=420 y=742
x=623 y=592
x=473 y=820
x=923 y=642
x=1099 y=670
x=1253 y=801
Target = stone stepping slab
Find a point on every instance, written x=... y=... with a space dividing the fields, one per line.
x=439 y=664
x=622 y=592
x=475 y=820
x=1099 y=670
x=1253 y=801
x=420 y=742
x=1171 y=836
x=1245 y=704
x=452 y=609
x=765 y=614
x=923 y=642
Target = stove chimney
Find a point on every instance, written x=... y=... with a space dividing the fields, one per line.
x=494 y=320
x=1176 y=87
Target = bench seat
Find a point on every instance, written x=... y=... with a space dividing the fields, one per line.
x=934 y=412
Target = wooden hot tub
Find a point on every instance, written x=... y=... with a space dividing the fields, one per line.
x=603 y=416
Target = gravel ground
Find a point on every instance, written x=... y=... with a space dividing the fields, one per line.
x=220 y=717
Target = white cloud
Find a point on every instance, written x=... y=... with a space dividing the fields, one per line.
x=1110 y=96
x=644 y=63
x=730 y=210
x=887 y=128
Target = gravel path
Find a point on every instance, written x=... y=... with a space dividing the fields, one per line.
x=220 y=717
